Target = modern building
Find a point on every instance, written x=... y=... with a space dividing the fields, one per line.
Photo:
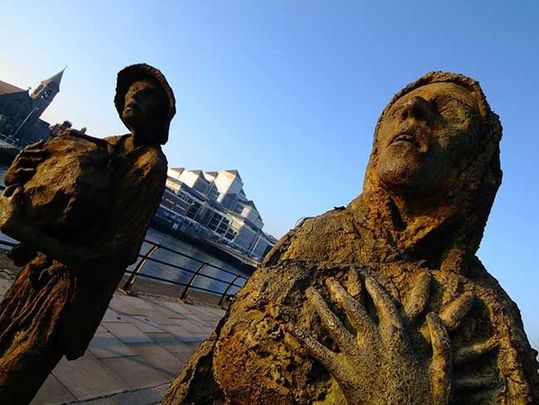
x=213 y=205
x=20 y=111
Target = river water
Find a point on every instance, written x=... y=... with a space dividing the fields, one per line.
x=173 y=273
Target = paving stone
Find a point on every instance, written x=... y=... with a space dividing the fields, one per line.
x=141 y=302
x=169 y=342
x=193 y=346
x=52 y=392
x=192 y=327
x=200 y=312
x=4 y=285
x=196 y=319
x=183 y=356
x=160 y=359
x=87 y=378
x=167 y=311
x=127 y=333
x=145 y=324
x=122 y=306
x=106 y=345
x=161 y=389
x=139 y=397
x=159 y=317
x=183 y=335
x=135 y=371
x=113 y=316
x=176 y=307
x=99 y=401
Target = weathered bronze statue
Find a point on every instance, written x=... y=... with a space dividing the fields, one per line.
x=383 y=301
x=80 y=206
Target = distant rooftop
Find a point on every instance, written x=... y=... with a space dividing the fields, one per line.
x=6 y=88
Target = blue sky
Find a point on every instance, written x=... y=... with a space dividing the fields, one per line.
x=288 y=92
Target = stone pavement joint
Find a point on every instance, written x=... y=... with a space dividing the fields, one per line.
x=138 y=349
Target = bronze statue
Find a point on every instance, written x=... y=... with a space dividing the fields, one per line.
x=81 y=207
x=383 y=301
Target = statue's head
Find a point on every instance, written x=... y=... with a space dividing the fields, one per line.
x=430 y=133
x=145 y=102
x=436 y=153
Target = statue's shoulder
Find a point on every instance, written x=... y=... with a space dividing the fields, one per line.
x=321 y=238
x=115 y=139
x=149 y=155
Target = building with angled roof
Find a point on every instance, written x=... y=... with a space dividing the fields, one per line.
x=213 y=204
x=20 y=111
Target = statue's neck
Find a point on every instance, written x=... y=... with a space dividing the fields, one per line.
x=420 y=230
x=139 y=138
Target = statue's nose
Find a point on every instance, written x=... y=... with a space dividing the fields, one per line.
x=417 y=108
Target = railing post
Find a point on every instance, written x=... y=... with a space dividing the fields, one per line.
x=138 y=268
x=227 y=290
x=186 y=290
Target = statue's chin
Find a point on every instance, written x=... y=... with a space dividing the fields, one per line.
x=405 y=169
x=407 y=179
x=401 y=173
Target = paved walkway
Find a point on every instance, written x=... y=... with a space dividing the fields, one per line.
x=137 y=350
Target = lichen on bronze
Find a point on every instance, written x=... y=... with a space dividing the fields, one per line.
x=384 y=301
x=81 y=207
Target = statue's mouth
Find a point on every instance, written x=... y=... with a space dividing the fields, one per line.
x=410 y=137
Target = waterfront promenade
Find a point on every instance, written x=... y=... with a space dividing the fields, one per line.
x=137 y=350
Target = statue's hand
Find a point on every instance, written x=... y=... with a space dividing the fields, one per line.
x=377 y=363
x=24 y=166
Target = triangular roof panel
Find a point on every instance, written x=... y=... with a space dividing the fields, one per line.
x=6 y=88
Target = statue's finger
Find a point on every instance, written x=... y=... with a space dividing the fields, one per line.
x=21 y=175
x=24 y=172
x=332 y=323
x=419 y=297
x=16 y=196
x=390 y=321
x=440 y=367
x=354 y=285
x=9 y=190
x=28 y=162
x=33 y=153
x=473 y=352
x=356 y=313
x=452 y=315
x=315 y=349
x=35 y=146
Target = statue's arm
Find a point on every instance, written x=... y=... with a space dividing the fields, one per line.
x=74 y=256
x=118 y=245
x=132 y=212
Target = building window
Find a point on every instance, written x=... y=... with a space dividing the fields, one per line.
x=215 y=221
x=213 y=193
x=223 y=226
x=192 y=211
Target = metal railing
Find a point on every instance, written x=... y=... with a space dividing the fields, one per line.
x=222 y=288
x=218 y=278
x=5 y=243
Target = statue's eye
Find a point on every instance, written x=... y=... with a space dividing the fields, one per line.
x=397 y=111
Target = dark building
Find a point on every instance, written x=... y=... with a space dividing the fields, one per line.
x=20 y=111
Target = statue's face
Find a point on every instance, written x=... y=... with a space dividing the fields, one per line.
x=144 y=103
x=425 y=136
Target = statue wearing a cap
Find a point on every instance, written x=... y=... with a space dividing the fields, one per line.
x=81 y=207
